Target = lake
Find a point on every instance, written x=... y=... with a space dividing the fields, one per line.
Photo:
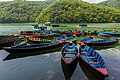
x=49 y=66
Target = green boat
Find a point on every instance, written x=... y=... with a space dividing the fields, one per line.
x=20 y=41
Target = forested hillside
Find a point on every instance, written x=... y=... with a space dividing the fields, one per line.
x=76 y=11
x=56 y=11
x=111 y=3
x=21 y=11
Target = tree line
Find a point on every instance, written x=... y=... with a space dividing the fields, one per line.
x=67 y=11
x=111 y=3
x=62 y=11
x=21 y=11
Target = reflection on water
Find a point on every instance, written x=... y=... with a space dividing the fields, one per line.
x=105 y=47
x=50 y=67
x=40 y=67
x=88 y=73
x=21 y=55
x=68 y=69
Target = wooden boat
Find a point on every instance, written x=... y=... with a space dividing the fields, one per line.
x=37 y=40
x=91 y=42
x=69 y=53
x=109 y=30
x=56 y=34
x=90 y=32
x=7 y=37
x=112 y=33
x=56 y=31
x=84 y=32
x=6 y=40
x=93 y=61
x=77 y=32
x=95 y=31
x=103 y=34
x=33 y=34
x=20 y=41
x=41 y=48
x=61 y=38
x=72 y=38
x=68 y=32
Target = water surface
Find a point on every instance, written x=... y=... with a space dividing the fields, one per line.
x=48 y=66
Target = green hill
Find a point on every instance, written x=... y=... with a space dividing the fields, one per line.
x=56 y=11
x=111 y=3
x=76 y=11
x=22 y=11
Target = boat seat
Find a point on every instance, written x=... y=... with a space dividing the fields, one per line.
x=68 y=59
x=90 y=59
x=85 y=54
x=95 y=64
x=69 y=55
x=69 y=52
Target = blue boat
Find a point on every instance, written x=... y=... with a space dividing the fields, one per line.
x=61 y=38
x=93 y=61
x=112 y=33
x=91 y=42
x=69 y=53
x=72 y=38
x=103 y=34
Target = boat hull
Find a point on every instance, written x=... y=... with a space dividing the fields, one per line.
x=112 y=33
x=91 y=42
x=10 y=43
x=93 y=61
x=102 y=44
x=93 y=70
x=30 y=50
x=4 y=42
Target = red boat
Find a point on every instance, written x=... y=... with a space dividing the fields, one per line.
x=34 y=34
x=6 y=40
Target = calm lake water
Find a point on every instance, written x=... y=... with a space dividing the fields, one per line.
x=49 y=66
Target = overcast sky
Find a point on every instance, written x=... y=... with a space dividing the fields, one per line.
x=94 y=1
x=90 y=1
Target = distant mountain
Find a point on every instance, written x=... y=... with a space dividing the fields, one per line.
x=111 y=3
x=73 y=11
x=21 y=11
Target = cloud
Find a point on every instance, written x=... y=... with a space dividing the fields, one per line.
x=94 y=1
x=6 y=0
